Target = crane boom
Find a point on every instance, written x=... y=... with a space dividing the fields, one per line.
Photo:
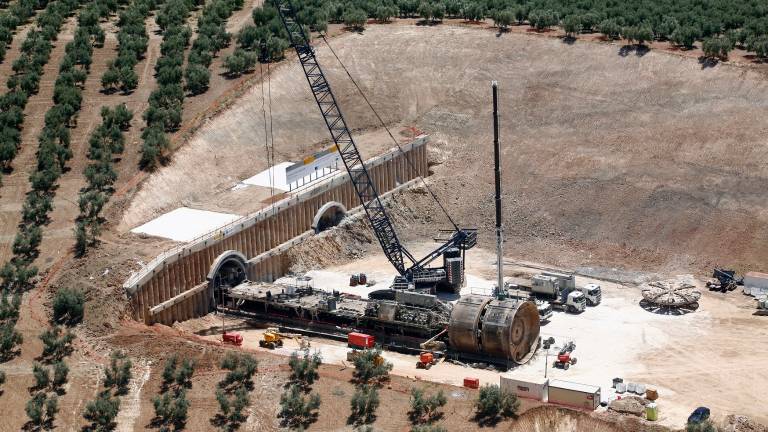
x=382 y=226
x=353 y=162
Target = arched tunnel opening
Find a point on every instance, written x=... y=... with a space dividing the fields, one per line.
x=227 y=271
x=328 y=216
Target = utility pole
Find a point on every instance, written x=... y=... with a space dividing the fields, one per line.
x=500 y=291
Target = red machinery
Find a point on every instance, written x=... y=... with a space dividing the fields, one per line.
x=232 y=338
x=565 y=357
x=426 y=360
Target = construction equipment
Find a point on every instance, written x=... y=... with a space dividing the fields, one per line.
x=271 y=339
x=413 y=272
x=232 y=338
x=565 y=357
x=724 y=280
x=426 y=360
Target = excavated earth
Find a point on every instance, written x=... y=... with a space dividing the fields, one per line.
x=610 y=158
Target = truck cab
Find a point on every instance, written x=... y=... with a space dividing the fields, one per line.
x=593 y=294
x=576 y=302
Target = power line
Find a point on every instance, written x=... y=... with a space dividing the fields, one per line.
x=381 y=121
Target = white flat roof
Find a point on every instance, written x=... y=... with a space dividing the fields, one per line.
x=275 y=177
x=525 y=379
x=568 y=385
x=185 y=224
x=270 y=177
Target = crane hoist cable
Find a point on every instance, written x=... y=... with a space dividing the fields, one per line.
x=267 y=132
x=384 y=125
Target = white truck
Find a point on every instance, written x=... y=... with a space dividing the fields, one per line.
x=549 y=294
x=548 y=288
x=591 y=291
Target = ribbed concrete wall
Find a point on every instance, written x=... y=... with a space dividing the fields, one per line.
x=162 y=283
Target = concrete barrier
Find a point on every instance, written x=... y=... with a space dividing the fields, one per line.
x=166 y=278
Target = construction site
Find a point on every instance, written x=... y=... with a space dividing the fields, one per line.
x=582 y=229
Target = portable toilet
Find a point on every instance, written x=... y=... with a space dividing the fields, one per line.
x=651 y=412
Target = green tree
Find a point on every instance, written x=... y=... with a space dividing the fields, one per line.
x=296 y=410
x=716 y=48
x=241 y=369
x=610 y=28
x=239 y=62
x=425 y=409
x=101 y=412
x=118 y=374
x=231 y=408
x=9 y=307
x=364 y=403
x=68 y=306
x=304 y=368
x=667 y=27
x=370 y=367
x=42 y=376
x=57 y=344
x=355 y=18
x=42 y=410
x=385 y=13
x=196 y=79
x=171 y=410
x=60 y=375
x=685 y=36
x=571 y=26
x=503 y=19
x=493 y=404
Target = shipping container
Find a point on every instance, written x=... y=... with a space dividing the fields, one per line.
x=756 y=280
x=472 y=383
x=574 y=394
x=529 y=388
x=360 y=340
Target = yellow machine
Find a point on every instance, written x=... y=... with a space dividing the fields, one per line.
x=272 y=339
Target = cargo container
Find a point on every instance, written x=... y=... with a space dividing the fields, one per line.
x=472 y=383
x=529 y=388
x=360 y=340
x=574 y=394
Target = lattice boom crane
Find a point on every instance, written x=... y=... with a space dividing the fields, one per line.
x=410 y=269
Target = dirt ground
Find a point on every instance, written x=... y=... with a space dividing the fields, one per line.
x=614 y=164
x=643 y=161
x=660 y=351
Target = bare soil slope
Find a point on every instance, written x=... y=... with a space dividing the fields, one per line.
x=609 y=157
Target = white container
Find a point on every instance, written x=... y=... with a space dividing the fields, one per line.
x=640 y=389
x=530 y=388
x=573 y=394
x=631 y=387
x=621 y=387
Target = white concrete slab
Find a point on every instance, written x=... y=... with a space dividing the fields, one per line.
x=276 y=177
x=185 y=224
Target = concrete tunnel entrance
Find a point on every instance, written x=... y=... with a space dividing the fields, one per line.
x=328 y=216
x=227 y=270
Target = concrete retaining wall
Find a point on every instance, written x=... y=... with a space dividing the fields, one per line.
x=161 y=284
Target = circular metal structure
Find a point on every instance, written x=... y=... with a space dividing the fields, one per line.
x=665 y=297
x=507 y=329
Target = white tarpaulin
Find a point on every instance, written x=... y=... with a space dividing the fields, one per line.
x=185 y=224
